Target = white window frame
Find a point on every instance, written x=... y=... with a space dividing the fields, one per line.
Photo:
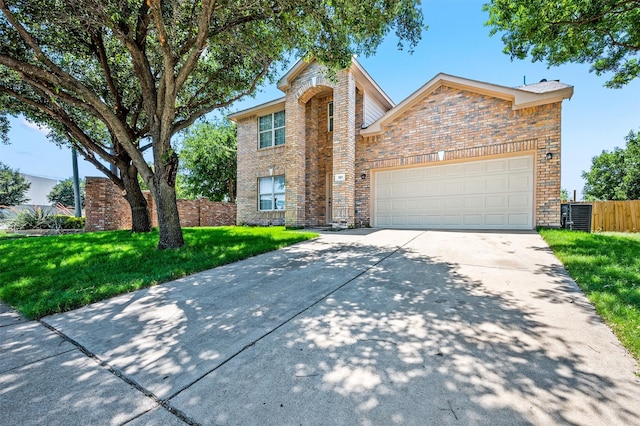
x=275 y=195
x=330 y=113
x=272 y=130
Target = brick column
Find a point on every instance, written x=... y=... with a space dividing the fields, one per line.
x=344 y=150
x=548 y=170
x=295 y=162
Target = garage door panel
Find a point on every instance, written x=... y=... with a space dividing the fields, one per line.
x=473 y=220
x=398 y=175
x=432 y=188
x=399 y=190
x=519 y=183
x=496 y=185
x=415 y=204
x=522 y=163
x=518 y=220
x=432 y=220
x=518 y=201
x=415 y=189
x=453 y=170
x=413 y=174
x=494 y=219
x=495 y=202
x=382 y=190
x=488 y=194
x=453 y=203
x=452 y=220
x=474 y=169
x=415 y=220
x=471 y=203
x=456 y=187
x=474 y=186
x=398 y=220
x=496 y=166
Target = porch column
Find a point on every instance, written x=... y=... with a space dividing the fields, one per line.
x=295 y=162
x=344 y=150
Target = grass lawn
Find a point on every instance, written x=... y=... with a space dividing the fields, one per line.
x=607 y=268
x=45 y=275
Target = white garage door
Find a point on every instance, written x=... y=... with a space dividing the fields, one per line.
x=489 y=194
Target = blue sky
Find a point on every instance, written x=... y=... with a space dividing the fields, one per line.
x=458 y=43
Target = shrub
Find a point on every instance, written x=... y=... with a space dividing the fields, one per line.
x=31 y=218
x=69 y=222
x=38 y=218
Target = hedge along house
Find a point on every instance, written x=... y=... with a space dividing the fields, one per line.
x=456 y=154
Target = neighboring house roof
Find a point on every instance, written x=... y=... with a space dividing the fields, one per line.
x=522 y=97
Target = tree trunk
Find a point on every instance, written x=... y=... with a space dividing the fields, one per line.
x=140 y=219
x=168 y=219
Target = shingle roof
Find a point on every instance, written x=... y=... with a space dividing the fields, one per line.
x=544 y=86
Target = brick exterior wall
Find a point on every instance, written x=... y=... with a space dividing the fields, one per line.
x=107 y=210
x=466 y=125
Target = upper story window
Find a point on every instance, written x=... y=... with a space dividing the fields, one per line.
x=330 y=117
x=271 y=129
x=271 y=193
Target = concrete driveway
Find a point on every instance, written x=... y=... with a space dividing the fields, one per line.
x=356 y=327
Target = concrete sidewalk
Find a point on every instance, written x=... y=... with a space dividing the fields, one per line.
x=359 y=327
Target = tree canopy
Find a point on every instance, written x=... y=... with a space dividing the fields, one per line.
x=138 y=72
x=62 y=193
x=605 y=34
x=615 y=175
x=209 y=166
x=13 y=186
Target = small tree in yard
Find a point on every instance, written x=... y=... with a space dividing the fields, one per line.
x=147 y=69
x=209 y=166
x=62 y=193
x=13 y=186
x=615 y=175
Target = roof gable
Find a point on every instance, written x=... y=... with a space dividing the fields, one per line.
x=363 y=80
x=523 y=97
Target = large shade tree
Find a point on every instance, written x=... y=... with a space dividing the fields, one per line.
x=603 y=33
x=147 y=69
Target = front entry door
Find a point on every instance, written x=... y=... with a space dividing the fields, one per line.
x=328 y=198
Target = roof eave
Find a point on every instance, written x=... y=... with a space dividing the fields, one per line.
x=237 y=116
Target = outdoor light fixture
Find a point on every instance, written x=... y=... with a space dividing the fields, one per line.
x=549 y=155
x=363 y=176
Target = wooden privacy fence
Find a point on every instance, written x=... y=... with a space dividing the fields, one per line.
x=615 y=216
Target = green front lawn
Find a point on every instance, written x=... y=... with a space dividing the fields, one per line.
x=44 y=275
x=607 y=268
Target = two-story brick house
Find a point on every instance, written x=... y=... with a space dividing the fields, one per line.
x=456 y=154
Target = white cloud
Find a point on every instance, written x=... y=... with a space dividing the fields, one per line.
x=37 y=127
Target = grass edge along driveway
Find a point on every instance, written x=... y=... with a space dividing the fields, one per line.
x=41 y=276
x=606 y=266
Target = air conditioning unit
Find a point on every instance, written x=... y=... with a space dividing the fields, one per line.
x=576 y=217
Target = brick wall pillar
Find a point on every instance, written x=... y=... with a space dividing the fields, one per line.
x=548 y=171
x=344 y=150
x=295 y=162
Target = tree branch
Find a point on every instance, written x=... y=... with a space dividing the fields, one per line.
x=181 y=125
